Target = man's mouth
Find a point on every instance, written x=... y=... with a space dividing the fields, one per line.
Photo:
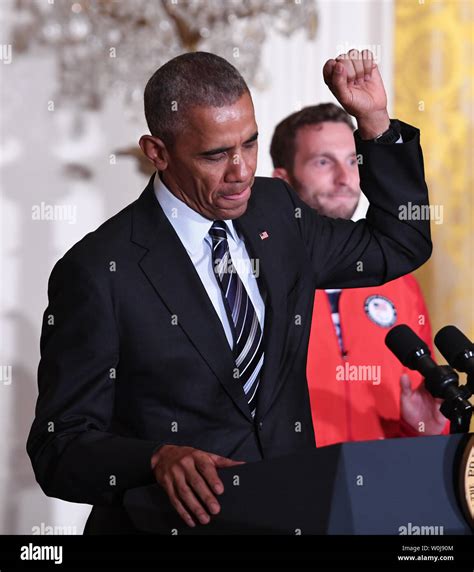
x=245 y=194
x=344 y=194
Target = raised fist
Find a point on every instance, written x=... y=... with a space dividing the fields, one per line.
x=355 y=81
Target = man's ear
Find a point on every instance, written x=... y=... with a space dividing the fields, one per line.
x=155 y=149
x=281 y=173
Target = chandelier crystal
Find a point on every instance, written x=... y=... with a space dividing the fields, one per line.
x=114 y=46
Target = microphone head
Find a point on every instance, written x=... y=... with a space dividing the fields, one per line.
x=453 y=344
x=406 y=345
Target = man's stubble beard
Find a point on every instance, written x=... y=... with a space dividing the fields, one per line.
x=340 y=210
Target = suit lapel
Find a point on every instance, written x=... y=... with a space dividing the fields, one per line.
x=172 y=274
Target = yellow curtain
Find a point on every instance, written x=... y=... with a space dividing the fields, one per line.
x=433 y=89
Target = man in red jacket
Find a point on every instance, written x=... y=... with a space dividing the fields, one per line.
x=358 y=388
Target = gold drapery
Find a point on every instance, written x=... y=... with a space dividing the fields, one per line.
x=433 y=89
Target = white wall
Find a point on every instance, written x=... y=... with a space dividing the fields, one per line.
x=295 y=65
x=36 y=145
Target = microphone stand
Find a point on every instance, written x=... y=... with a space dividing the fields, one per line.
x=442 y=382
x=465 y=411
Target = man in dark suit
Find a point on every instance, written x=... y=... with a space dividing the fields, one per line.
x=176 y=334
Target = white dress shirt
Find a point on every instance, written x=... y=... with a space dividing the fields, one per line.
x=193 y=230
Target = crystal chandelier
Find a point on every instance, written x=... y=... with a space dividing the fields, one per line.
x=114 y=46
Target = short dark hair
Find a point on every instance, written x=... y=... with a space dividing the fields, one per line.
x=283 y=148
x=189 y=80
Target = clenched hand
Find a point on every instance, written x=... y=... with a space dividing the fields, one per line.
x=355 y=81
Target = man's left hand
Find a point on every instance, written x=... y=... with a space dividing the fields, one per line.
x=355 y=81
x=419 y=406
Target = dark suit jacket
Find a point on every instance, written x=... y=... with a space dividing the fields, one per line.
x=133 y=353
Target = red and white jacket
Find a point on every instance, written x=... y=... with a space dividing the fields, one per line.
x=363 y=402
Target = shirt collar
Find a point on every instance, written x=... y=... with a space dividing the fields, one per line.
x=191 y=227
x=361 y=208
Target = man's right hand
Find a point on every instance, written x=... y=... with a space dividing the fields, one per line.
x=189 y=476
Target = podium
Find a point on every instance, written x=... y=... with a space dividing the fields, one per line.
x=375 y=487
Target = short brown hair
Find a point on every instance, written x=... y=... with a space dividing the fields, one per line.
x=282 y=147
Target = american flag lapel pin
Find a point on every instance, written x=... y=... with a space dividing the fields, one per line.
x=263 y=235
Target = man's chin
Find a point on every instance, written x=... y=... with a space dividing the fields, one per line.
x=231 y=214
x=340 y=210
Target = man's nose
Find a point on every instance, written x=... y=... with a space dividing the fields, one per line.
x=238 y=169
x=342 y=174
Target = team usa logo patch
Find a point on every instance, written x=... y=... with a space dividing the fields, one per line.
x=381 y=311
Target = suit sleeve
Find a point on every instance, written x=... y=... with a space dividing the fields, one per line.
x=75 y=454
x=389 y=242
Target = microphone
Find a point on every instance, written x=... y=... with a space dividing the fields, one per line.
x=457 y=349
x=440 y=380
x=412 y=352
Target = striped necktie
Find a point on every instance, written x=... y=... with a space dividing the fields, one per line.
x=247 y=334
